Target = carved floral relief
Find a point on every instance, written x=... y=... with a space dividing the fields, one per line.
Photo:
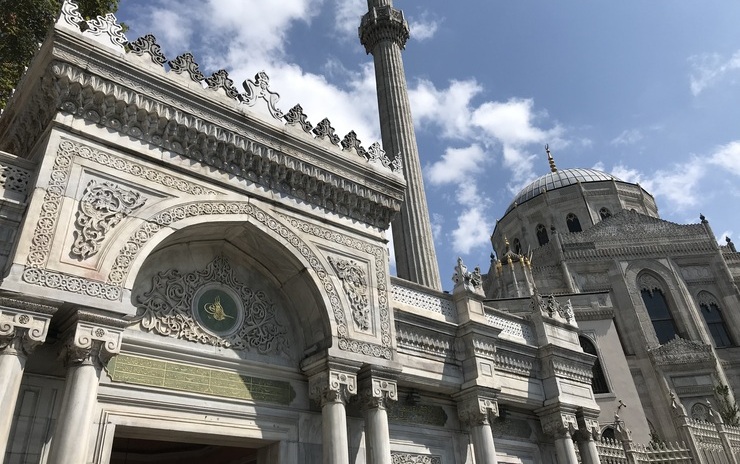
x=355 y=285
x=101 y=208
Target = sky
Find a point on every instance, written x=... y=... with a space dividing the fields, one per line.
x=648 y=91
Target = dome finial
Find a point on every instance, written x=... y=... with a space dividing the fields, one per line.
x=550 y=159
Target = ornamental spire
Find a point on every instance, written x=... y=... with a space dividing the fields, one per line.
x=550 y=159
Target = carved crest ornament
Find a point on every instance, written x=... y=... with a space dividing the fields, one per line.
x=213 y=307
x=354 y=283
x=102 y=207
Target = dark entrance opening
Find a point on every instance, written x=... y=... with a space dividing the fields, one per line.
x=131 y=448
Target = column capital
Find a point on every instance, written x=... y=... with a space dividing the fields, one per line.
x=23 y=325
x=559 y=424
x=332 y=386
x=375 y=393
x=476 y=408
x=588 y=428
x=92 y=339
x=383 y=23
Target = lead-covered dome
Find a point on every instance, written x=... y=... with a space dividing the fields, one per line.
x=557 y=179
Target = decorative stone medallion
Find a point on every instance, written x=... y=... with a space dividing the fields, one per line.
x=217 y=310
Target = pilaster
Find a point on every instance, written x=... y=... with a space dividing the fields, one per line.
x=90 y=340
x=332 y=388
x=23 y=327
x=475 y=407
x=587 y=435
x=377 y=389
x=560 y=425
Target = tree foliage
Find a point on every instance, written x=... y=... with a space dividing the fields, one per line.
x=23 y=25
x=728 y=408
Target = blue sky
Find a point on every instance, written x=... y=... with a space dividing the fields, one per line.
x=648 y=91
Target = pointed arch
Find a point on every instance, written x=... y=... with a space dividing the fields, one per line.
x=574 y=225
x=653 y=295
x=712 y=315
x=598 y=380
x=542 y=237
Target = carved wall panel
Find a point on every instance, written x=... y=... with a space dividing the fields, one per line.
x=355 y=285
x=235 y=316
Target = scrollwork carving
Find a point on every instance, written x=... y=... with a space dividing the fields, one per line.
x=106 y=30
x=559 y=425
x=92 y=343
x=470 y=281
x=22 y=330
x=70 y=16
x=167 y=310
x=101 y=208
x=355 y=285
x=147 y=44
x=296 y=116
x=351 y=141
x=324 y=130
x=186 y=63
x=378 y=393
x=220 y=80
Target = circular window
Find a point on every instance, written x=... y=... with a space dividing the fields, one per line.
x=218 y=309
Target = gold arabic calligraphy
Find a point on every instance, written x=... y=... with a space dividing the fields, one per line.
x=215 y=310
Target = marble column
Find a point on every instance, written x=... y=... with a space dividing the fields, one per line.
x=332 y=388
x=475 y=412
x=375 y=394
x=561 y=427
x=21 y=330
x=587 y=435
x=88 y=346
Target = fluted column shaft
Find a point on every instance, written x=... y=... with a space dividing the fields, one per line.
x=384 y=33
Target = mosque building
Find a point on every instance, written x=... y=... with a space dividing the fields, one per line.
x=192 y=274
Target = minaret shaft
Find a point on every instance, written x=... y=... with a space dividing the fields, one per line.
x=383 y=33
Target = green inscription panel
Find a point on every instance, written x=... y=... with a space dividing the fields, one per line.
x=174 y=376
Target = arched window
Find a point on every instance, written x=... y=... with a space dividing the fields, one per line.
x=542 y=237
x=598 y=381
x=713 y=318
x=517 y=246
x=608 y=433
x=604 y=213
x=657 y=308
x=574 y=225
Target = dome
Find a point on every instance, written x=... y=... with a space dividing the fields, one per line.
x=557 y=179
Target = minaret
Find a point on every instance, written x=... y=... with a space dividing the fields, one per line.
x=384 y=32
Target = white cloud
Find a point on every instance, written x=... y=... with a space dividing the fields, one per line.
x=437 y=221
x=709 y=68
x=423 y=28
x=347 y=17
x=473 y=230
x=628 y=137
x=727 y=157
x=457 y=165
x=447 y=108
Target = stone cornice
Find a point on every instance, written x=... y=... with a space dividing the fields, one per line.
x=204 y=125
